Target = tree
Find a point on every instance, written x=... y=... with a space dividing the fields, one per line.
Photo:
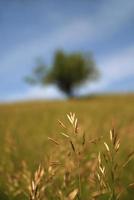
x=67 y=72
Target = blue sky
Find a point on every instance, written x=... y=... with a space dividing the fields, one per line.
x=30 y=29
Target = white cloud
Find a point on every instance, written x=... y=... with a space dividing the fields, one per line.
x=37 y=92
x=116 y=67
x=120 y=65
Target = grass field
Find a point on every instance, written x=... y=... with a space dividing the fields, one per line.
x=30 y=123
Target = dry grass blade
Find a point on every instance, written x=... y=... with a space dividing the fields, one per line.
x=107 y=147
x=73 y=194
x=54 y=141
x=99 y=158
x=73 y=120
x=62 y=124
x=98 y=193
x=117 y=145
x=72 y=145
x=112 y=134
x=65 y=135
x=71 y=117
x=129 y=158
x=131 y=185
x=36 y=188
x=83 y=139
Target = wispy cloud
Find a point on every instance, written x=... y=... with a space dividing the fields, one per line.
x=115 y=68
x=108 y=20
x=120 y=65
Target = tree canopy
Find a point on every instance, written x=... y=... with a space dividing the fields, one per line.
x=67 y=71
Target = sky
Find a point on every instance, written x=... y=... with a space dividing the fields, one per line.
x=31 y=29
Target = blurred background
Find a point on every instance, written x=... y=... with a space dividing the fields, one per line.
x=32 y=30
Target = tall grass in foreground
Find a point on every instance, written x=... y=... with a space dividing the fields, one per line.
x=77 y=168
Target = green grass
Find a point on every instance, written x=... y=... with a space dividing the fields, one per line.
x=30 y=123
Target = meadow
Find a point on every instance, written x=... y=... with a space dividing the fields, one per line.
x=26 y=126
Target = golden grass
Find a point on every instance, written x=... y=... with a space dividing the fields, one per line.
x=72 y=167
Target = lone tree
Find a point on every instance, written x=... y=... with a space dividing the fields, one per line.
x=67 y=72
